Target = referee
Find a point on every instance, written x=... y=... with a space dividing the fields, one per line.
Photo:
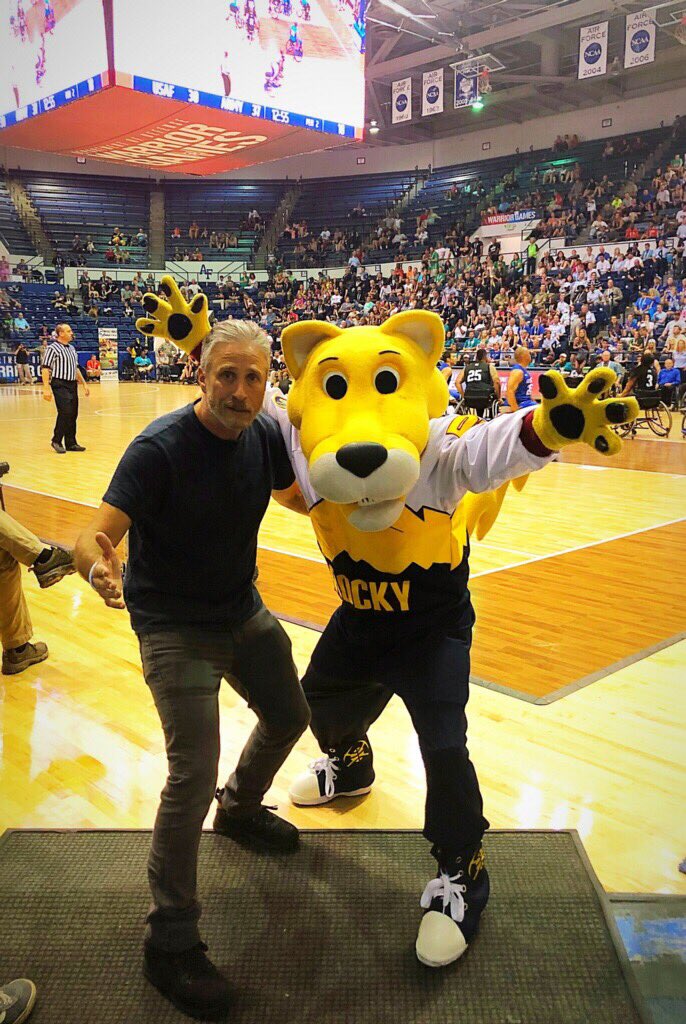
x=61 y=374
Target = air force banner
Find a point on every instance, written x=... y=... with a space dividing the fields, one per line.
x=639 y=47
x=593 y=50
x=401 y=99
x=432 y=92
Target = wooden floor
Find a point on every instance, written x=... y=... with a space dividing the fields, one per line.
x=581 y=573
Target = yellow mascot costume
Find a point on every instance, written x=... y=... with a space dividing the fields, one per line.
x=394 y=488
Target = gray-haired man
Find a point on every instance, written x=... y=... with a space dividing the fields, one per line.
x=191 y=490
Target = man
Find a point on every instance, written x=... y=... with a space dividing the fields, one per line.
x=61 y=374
x=519 y=382
x=206 y=472
x=21 y=356
x=669 y=381
x=21 y=324
x=18 y=546
x=144 y=366
x=93 y=368
x=479 y=383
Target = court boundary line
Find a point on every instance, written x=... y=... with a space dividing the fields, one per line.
x=472 y=576
x=580 y=684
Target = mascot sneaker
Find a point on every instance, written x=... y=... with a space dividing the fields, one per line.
x=454 y=902
x=344 y=771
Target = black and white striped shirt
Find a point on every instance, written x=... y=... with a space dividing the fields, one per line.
x=61 y=360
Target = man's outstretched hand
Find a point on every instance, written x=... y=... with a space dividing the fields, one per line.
x=106 y=577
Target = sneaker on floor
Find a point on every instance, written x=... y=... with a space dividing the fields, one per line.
x=189 y=980
x=53 y=569
x=59 y=448
x=265 y=832
x=454 y=902
x=17 y=660
x=75 y=448
x=16 y=1001
x=344 y=771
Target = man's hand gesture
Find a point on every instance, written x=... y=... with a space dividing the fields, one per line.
x=106 y=576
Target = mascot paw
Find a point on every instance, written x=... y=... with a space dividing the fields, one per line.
x=571 y=415
x=186 y=324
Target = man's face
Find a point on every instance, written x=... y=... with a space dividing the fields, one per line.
x=65 y=334
x=234 y=383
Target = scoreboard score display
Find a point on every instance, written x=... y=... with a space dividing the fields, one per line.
x=191 y=87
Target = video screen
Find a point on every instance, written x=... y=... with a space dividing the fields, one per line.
x=53 y=52
x=297 y=62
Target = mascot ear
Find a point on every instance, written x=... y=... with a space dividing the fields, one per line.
x=419 y=325
x=298 y=340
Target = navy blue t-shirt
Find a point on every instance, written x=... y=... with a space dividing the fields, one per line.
x=196 y=503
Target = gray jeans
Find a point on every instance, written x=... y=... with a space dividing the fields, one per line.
x=183 y=669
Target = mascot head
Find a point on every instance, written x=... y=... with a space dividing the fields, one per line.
x=362 y=401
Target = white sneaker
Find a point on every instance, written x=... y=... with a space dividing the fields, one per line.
x=451 y=922
x=328 y=778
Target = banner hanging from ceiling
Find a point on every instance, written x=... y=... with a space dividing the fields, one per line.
x=401 y=101
x=593 y=50
x=432 y=92
x=639 y=47
x=466 y=89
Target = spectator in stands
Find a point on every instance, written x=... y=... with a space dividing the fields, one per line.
x=164 y=358
x=669 y=382
x=4 y=268
x=194 y=230
x=141 y=237
x=93 y=369
x=189 y=374
x=22 y=268
x=20 y=323
x=76 y=244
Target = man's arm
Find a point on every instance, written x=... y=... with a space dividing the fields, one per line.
x=80 y=377
x=292 y=498
x=495 y=380
x=95 y=556
x=513 y=381
x=46 y=374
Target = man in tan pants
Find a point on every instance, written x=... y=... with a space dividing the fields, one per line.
x=18 y=546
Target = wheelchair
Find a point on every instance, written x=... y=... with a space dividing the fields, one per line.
x=484 y=404
x=654 y=415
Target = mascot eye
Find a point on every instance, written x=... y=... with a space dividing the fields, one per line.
x=335 y=385
x=387 y=380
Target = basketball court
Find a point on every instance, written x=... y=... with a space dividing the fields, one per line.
x=577 y=712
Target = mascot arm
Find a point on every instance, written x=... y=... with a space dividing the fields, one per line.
x=187 y=324
x=487 y=456
x=573 y=415
x=292 y=498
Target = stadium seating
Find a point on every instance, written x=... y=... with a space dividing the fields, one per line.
x=71 y=204
x=221 y=206
x=12 y=231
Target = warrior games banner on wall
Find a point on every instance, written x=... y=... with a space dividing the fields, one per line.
x=402 y=101
x=639 y=46
x=432 y=92
x=593 y=50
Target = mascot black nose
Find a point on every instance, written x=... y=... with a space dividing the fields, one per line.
x=361 y=459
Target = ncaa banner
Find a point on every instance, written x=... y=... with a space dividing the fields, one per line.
x=432 y=92
x=593 y=50
x=401 y=99
x=466 y=90
x=639 y=47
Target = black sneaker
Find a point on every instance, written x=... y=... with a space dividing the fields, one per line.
x=59 y=448
x=17 y=660
x=75 y=448
x=264 y=832
x=53 y=569
x=16 y=1001
x=344 y=771
x=189 y=980
x=454 y=902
